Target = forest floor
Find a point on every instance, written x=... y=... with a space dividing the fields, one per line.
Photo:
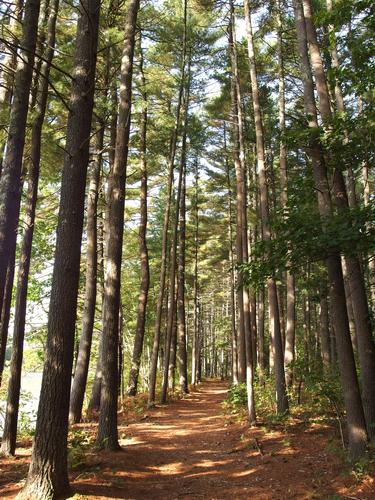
x=194 y=448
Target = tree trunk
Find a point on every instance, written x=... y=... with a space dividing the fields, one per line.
x=164 y=251
x=107 y=436
x=281 y=395
x=243 y=252
x=195 y=341
x=8 y=444
x=82 y=366
x=182 y=354
x=366 y=346
x=10 y=180
x=232 y=268
x=289 y=349
x=324 y=333
x=145 y=272
x=48 y=476
x=353 y=403
x=6 y=307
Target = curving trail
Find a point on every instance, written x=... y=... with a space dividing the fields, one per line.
x=190 y=449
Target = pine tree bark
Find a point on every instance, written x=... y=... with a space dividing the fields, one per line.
x=8 y=444
x=241 y=347
x=182 y=352
x=107 y=436
x=48 y=475
x=9 y=65
x=10 y=180
x=243 y=252
x=195 y=339
x=366 y=346
x=166 y=222
x=82 y=366
x=6 y=307
x=281 y=395
x=352 y=397
x=324 y=333
x=145 y=272
x=168 y=355
x=289 y=349
x=232 y=266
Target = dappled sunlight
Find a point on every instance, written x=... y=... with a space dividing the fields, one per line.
x=192 y=449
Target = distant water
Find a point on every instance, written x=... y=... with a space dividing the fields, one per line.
x=30 y=391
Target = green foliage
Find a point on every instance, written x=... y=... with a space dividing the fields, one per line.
x=237 y=396
x=302 y=237
x=79 y=443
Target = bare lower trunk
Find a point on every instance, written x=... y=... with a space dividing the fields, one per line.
x=324 y=333
x=352 y=398
x=281 y=396
x=8 y=444
x=84 y=350
x=6 y=306
x=48 y=475
x=182 y=354
x=145 y=272
x=164 y=251
x=357 y=291
x=195 y=340
x=107 y=436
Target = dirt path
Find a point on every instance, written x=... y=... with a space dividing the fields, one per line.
x=190 y=449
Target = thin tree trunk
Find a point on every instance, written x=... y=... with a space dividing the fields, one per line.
x=166 y=221
x=48 y=475
x=281 y=395
x=182 y=354
x=82 y=366
x=241 y=347
x=243 y=253
x=353 y=403
x=107 y=436
x=172 y=302
x=145 y=272
x=10 y=180
x=324 y=333
x=366 y=346
x=289 y=350
x=195 y=341
x=8 y=444
x=6 y=308
x=232 y=268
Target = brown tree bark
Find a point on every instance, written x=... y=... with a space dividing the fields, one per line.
x=243 y=252
x=82 y=366
x=352 y=397
x=6 y=307
x=168 y=355
x=324 y=332
x=10 y=180
x=8 y=444
x=166 y=222
x=195 y=339
x=232 y=265
x=107 y=436
x=366 y=346
x=289 y=348
x=145 y=272
x=182 y=352
x=48 y=475
x=281 y=395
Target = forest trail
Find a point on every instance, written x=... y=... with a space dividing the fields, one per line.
x=193 y=449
